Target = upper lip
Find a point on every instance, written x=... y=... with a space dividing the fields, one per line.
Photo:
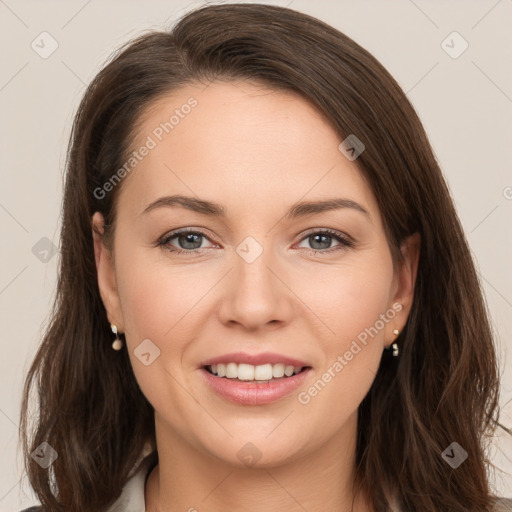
x=254 y=359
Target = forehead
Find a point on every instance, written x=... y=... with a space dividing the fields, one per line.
x=241 y=142
x=223 y=114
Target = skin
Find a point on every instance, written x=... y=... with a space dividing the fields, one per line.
x=256 y=152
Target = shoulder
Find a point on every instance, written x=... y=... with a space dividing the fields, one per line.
x=503 y=505
x=132 y=495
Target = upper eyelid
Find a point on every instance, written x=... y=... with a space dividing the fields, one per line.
x=181 y=231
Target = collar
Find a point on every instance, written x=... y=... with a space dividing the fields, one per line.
x=132 y=496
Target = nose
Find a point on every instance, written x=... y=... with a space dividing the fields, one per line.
x=255 y=295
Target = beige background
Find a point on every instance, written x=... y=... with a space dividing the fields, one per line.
x=465 y=104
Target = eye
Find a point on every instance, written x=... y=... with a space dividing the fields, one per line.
x=321 y=240
x=189 y=241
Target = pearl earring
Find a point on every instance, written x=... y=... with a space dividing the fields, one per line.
x=395 y=348
x=117 y=344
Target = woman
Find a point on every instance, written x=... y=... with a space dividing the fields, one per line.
x=255 y=222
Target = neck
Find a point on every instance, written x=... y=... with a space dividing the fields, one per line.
x=189 y=480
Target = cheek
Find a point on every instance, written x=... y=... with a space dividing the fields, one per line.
x=157 y=299
x=167 y=305
x=353 y=305
x=348 y=300
x=159 y=304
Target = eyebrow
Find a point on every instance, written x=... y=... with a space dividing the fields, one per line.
x=212 y=209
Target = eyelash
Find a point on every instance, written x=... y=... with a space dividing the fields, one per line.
x=345 y=242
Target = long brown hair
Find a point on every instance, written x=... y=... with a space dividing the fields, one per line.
x=443 y=387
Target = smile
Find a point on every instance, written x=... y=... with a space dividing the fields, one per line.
x=243 y=388
x=248 y=372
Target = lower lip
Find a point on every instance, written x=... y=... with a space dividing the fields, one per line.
x=254 y=392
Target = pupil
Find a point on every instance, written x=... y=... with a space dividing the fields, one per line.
x=325 y=244
x=186 y=238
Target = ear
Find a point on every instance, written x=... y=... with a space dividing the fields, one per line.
x=405 y=280
x=106 y=274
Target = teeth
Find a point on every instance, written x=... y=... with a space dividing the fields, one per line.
x=246 y=372
x=278 y=370
x=263 y=372
x=249 y=372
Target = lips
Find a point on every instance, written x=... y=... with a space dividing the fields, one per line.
x=254 y=379
x=254 y=393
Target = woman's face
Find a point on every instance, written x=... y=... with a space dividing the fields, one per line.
x=268 y=278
